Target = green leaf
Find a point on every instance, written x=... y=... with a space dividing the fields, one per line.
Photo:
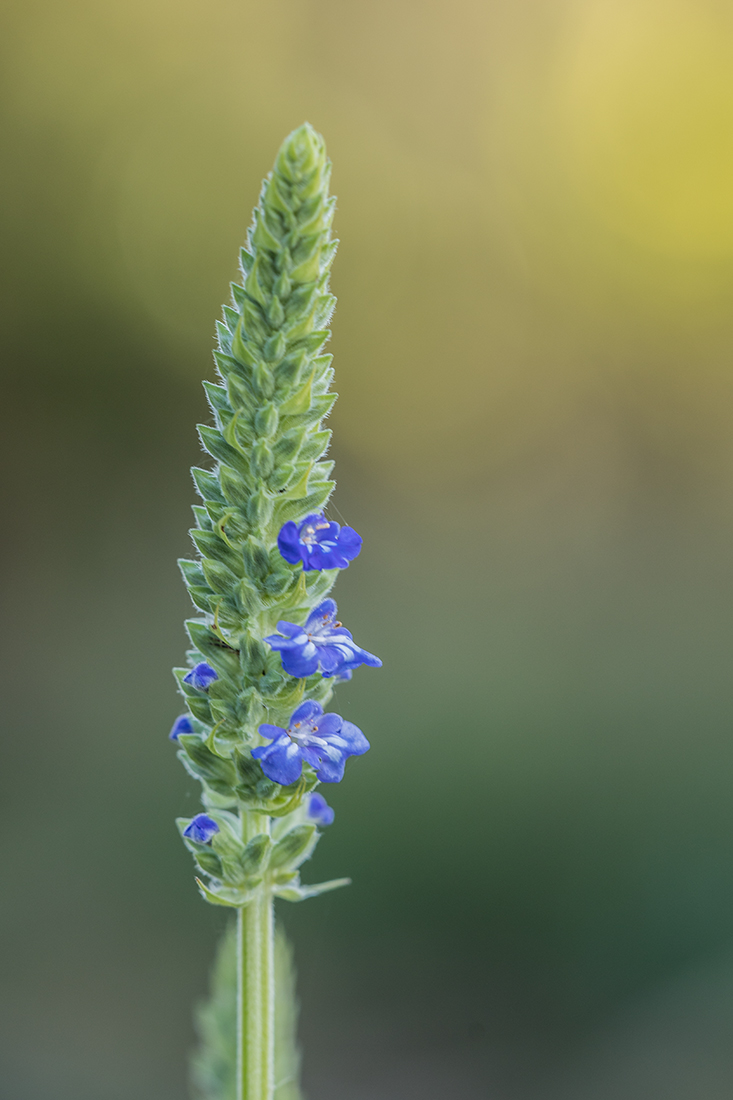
x=294 y=848
x=192 y=572
x=213 y=442
x=214 y=1064
x=218 y=399
x=255 y=853
x=223 y=895
x=207 y=484
x=315 y=445
x=300 y=402
x=202 y=763
x=233 y=486
x=212 y=545
x=202 y=517
x=314 y=501
x=300 y=893
x=202 y=597
x=223 y=657
x=231 y=318
x=209 y=863
x=219 y=577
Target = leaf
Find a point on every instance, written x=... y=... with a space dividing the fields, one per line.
x=294 y=847
x=223 y=657
x=207 y=484
x=287 y=1053
x=218 y=399
x=213 y=441
x=314 y=501
x=255 y=853
x=201 y=763
x=214 y=1063
x=300 y=893
x=212 y=545
x=192 y=572
x=300 y=402
x=209 y=863
x=232 y=899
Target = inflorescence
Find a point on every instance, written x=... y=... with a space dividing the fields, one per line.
x=267 y=648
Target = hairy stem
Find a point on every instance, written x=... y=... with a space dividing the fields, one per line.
x=255 y=984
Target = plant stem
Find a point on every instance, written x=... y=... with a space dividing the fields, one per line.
x=255 y=984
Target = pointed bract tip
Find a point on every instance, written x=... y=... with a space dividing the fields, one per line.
x=302 y=153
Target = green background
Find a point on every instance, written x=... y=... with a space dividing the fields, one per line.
x=533 y=351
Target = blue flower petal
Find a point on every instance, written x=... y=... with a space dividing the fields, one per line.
x=331 y=771
x=363 y=657
x=355 y=739
x=308 y=709
x=290 y=630
x=300 y=664
x=271 y=732
x=319 y=616
x=350 y=543
x=331 y=658
x=312 y=754
x=281 y=762
x=289 y=544
x=329 y=724
x=181 y=725
x=325 y=557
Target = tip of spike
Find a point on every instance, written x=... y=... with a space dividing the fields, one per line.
x=302 y=152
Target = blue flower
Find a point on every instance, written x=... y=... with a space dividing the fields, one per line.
x=201 y=676
x=181 y=725
x=318 y=543
x=319 y=810
x=322 y=740
x=201 y=828
x=321 y=643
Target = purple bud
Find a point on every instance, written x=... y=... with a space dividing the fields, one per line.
x=201 y=828
x=181 y=725
x=201 y=676
x=319 y=810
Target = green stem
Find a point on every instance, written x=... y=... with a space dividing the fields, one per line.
x=255 y=985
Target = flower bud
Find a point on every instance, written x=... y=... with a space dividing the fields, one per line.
x=201 y=676
x=201 y=828
x=181 y=725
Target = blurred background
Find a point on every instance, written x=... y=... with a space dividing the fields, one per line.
x=535 y=438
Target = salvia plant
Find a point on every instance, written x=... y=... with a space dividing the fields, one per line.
x=267 y=648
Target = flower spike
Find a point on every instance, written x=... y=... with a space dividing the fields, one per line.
x=255 y=733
